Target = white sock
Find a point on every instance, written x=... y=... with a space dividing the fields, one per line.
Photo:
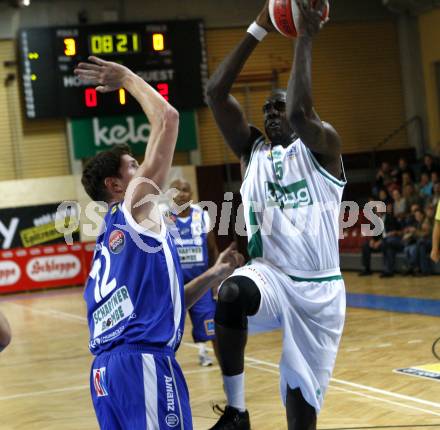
x=202 y=348
x=234 y=390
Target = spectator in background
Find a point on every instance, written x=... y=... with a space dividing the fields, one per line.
x=401 y=170
x=399 y=205
x=435 y=177
x=5 y=332
x=406 y=179
x=376 y=244
x=391 y=242
x=430 y=213
x=425 y=187
x=411 y=196
x=429 y=165
x=383 y=196
x=417 y=240
x=383 y=177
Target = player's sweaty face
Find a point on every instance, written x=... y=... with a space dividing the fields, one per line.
x=275 y=121
x=127 y=170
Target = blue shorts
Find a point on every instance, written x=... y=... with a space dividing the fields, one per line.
x=202 y=317
x=136 y=390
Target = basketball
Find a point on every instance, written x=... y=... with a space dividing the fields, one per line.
x=285 y=14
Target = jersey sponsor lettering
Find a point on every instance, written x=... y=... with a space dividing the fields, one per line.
x=116 y=309
x=292 y=196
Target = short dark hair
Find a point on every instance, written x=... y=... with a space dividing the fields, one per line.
x=106 y=164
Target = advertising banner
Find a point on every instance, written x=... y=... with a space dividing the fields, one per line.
x=92 y=135
x=30 y=226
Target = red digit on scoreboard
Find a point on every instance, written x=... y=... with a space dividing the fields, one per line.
x=91 y=98
x=163 y=89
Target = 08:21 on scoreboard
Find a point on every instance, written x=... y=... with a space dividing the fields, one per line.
x=170 y=56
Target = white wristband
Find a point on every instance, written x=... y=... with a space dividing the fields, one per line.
x=257 y=31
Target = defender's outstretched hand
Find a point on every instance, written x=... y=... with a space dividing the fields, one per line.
x=105 y=75
x=311 y=13
x=228 y=261
x=263 y=18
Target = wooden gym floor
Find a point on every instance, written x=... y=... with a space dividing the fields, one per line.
x=44 y=372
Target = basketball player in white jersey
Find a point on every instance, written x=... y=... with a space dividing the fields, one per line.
x=5 y=332
x=292 y=188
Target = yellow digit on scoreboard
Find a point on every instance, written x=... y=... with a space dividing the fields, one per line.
x=121 y=44
x=122 y=97
x=158 y=42
x=69 y=47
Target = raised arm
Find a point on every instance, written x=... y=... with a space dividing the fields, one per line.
x=227 y=112
x=164 y=120
x=319 y=136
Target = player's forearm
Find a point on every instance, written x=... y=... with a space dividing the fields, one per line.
x=299 y=90
x=220 y=83
x=198 y=287
x=155 y=107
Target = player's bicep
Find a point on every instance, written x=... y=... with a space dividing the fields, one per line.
x=232 y=123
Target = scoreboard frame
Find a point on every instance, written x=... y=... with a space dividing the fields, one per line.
x=169 y=55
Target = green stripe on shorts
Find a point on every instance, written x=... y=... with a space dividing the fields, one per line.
x=326 y=279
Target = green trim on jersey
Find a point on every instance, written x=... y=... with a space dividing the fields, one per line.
x=324 y=172
x=254 y=147
x=326 y=279
x=255 y=244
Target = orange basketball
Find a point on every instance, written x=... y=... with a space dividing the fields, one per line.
x=285 y=14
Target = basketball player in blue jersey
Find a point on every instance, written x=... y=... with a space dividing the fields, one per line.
x=294 y=176
x=197 y=250
x=5 y=332
x=135 y=295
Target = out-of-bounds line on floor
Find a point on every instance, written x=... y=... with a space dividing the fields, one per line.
x=409 y=305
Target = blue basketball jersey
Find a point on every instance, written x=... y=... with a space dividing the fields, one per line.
x=192 y=242
x=134 y=292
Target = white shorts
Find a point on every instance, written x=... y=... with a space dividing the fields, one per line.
x=311 y=315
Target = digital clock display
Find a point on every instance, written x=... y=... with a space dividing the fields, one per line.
x=170 y=56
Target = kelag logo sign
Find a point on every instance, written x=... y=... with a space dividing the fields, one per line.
x=32 y=225
x=91 y=135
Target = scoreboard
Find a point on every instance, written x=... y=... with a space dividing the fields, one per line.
x=170 y=56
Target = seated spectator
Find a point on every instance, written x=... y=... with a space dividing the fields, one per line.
x=383 y=196
x=435 y=177
x=399 y=205
x=406 y=179
x=383 y=177
x=429 y=165
x=409 y=239
x=401 y=170
x=430 y=212
x=425 y=187
x=411 y=195
x=387 y=240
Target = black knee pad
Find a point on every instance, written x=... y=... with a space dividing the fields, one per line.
x=238 y=298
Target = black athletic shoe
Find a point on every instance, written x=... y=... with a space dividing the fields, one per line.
x=365 y=273
x=232 y=419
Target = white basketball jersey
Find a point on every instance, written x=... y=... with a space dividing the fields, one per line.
x=291 y=207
